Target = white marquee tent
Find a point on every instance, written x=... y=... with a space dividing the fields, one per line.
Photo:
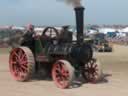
x=125 y=30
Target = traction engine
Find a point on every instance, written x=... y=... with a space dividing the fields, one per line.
x=59 y=56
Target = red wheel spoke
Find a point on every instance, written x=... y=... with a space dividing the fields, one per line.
x=23 y=70
x=15 y=54
x=16 y=73
x=22 y=57
x=95 y=66
x=24 y=67
x=95 y=73
x=20 y=69
x=16 y=59
x=66 y=74
x=20 y=53
x=14 y=66
x=63 y=69
x=14 y=69
x=59 y=67
x=23 y=62
x=59 y=77
x=13 y=62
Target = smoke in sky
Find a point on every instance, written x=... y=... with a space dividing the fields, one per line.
x=74 y=3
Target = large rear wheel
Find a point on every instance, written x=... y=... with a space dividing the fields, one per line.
x=21 y=63
x=62 y=73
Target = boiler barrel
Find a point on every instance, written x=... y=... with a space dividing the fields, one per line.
x=82 y=53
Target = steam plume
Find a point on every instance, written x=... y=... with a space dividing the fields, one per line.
x=74 y=3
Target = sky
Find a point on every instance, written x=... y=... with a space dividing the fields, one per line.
x=52 y=12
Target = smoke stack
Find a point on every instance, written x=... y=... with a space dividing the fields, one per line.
x=79 y=12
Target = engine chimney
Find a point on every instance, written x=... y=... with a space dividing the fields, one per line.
x=79 y=12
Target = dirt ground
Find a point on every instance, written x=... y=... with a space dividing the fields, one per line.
x=115 y=83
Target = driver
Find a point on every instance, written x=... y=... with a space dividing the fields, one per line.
x=28 y=39
x=29 y=31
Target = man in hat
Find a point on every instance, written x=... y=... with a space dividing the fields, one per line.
x=28 y=37
x=29 y=31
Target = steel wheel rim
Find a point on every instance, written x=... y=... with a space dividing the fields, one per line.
x=60 y=75
x=18 y=64
x=91 y=71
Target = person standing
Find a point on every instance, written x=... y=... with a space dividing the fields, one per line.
x=28 y=37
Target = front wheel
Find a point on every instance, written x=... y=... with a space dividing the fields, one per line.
x=62 y=73
x=92 y=71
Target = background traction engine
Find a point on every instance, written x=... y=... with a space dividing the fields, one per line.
x=62 y=58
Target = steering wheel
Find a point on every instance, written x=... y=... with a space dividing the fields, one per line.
x=51 y=32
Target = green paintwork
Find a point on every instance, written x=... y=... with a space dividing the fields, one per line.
x=38 y=46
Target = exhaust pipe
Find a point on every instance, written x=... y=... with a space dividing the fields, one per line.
x=79 y=12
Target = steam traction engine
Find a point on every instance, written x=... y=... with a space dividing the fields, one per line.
x=62 y=57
